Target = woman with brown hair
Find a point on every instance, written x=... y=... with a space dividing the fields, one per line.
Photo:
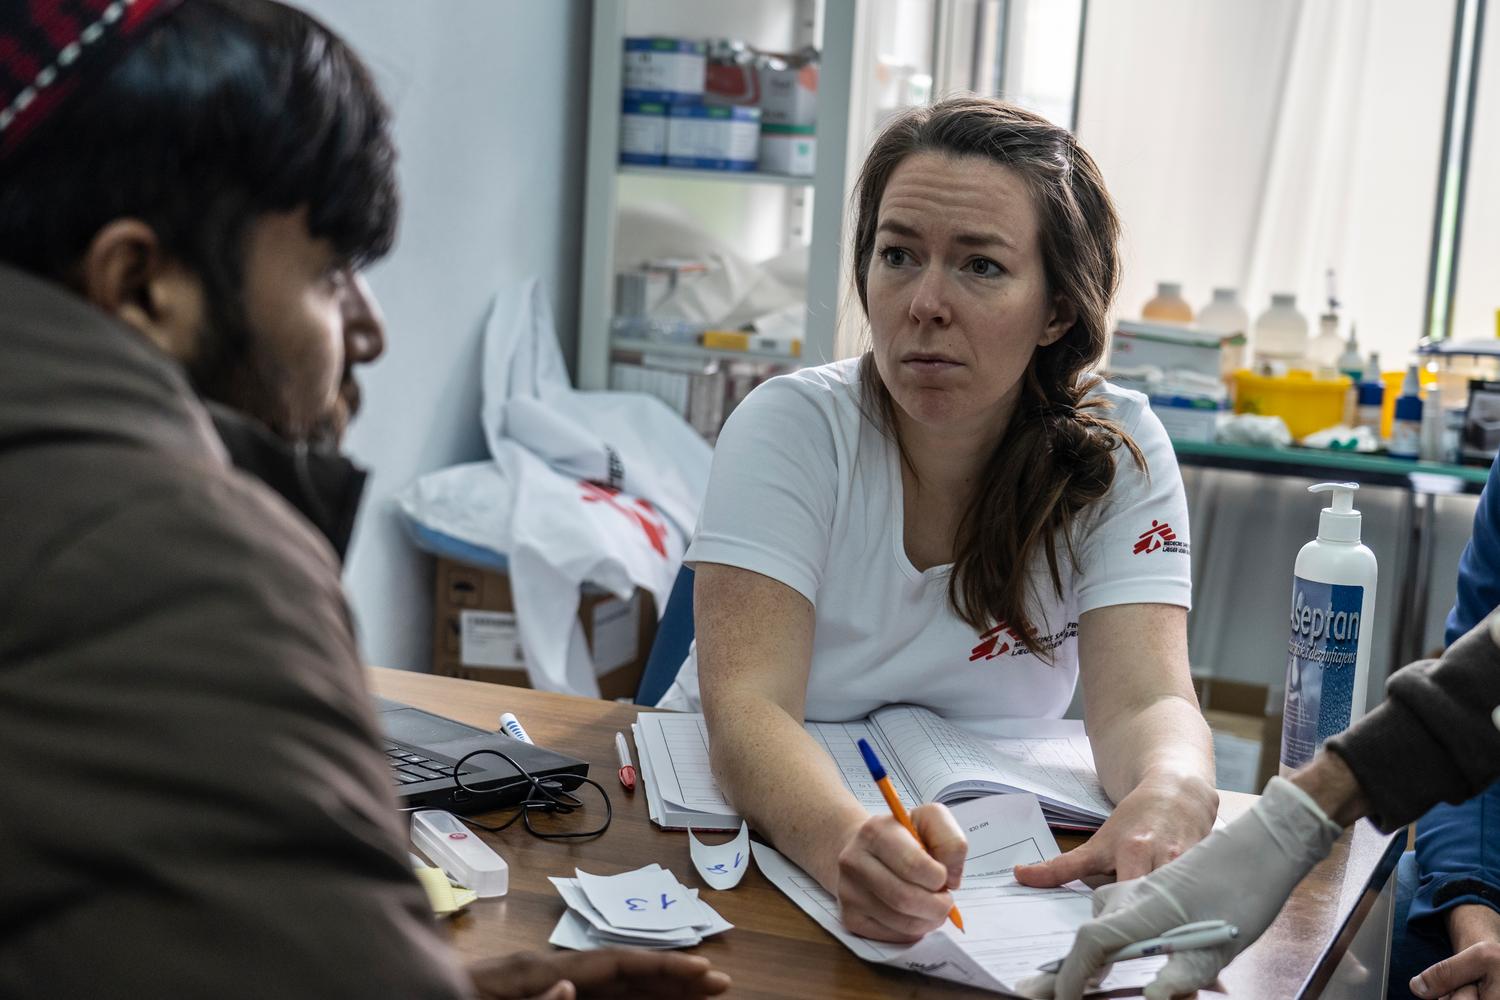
x=964 y=518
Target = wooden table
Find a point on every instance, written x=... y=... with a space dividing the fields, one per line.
x=775 y=950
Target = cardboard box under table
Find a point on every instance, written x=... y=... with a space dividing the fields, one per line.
x=475 y=635
x=1245 y=720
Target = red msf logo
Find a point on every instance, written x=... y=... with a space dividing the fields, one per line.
x=638 y=511
x=1150 y=541
x=993 y=644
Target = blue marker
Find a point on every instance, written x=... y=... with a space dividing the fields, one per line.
x=511 y=726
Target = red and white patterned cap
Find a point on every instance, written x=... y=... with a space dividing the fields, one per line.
x=49 y=49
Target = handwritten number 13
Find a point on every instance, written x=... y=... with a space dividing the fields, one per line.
x=636 y=904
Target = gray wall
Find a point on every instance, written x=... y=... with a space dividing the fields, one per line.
x=490 y=98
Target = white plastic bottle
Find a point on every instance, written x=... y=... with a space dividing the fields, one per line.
x=1350 y=361
x=1332 y=627
x=1224 y=315
x=1370 y=410
x=1324 y=350
x=1281 y=334
x=1406 y=425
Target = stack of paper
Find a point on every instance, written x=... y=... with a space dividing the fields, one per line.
x=646 y=908
x=929 y=759
x=1010 y=929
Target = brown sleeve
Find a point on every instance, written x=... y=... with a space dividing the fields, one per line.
x=1432 y=740
x=199 y=805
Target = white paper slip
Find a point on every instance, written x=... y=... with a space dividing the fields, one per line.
x=572 y=931
x=649 y=899
x=707 y=923
x=1010 y=928
x=584 y=925
x=721 y=865
x=577 y=901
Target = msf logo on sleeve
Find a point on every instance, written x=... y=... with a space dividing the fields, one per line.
x=1159 y=538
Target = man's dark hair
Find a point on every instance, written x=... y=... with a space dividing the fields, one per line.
x=226 y=110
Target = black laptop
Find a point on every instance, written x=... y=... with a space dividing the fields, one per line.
x=422 y=749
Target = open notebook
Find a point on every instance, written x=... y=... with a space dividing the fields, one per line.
x=929 y=759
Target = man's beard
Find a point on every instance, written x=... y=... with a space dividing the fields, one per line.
x=230 y=370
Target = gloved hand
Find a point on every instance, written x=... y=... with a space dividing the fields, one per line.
x=1242 y=874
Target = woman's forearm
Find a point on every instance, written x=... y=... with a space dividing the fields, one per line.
x=782 y=782
x=1163 y=738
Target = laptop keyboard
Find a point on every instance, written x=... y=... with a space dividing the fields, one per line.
x=408 y=767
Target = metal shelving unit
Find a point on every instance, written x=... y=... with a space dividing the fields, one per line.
x=604 y=171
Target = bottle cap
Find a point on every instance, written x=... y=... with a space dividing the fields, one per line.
x=1340 y=522
x=1284 y=299
x=1227 y=295
x=1408 y=407
x=1169 y=289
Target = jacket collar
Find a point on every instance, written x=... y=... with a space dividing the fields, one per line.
x=322 y=484
x=68 y=369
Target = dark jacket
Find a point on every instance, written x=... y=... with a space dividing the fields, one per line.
x=1458 y=846
x=192 y=801
x=1432 y=740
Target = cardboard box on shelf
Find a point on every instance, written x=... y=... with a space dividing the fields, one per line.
x=475 y=635
x=1245 y=720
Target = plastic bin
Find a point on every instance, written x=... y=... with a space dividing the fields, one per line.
x=1307 y=404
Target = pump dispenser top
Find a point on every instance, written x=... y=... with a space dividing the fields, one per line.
x=1339 y=523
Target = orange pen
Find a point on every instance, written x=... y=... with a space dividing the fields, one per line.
x=883 y=781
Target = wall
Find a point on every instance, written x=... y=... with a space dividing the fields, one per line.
x=489 y=99
x=1255 y=145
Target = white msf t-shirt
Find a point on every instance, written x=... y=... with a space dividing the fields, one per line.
x=807 y=491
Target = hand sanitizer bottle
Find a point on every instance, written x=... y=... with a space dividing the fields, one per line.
x=1332 y=627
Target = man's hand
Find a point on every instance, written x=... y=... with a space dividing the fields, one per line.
x=1473 y=973
x=609 y=972
x=892 y=888
x=1241 y=874
x=1152 y=825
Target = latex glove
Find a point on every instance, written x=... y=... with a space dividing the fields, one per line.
x=607 y=972
x=1242 y=874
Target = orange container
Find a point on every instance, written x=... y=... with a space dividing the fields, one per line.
x=1307 y=404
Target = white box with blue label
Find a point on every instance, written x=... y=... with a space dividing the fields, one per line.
x=643 y=133
x=712 y=136
x=664 y=69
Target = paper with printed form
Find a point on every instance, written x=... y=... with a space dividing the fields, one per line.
x=1010 y=928
x=929 y=758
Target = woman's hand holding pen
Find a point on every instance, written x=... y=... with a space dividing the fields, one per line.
x=1159 y=820
x=889 y=888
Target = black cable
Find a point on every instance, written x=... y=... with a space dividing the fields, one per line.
x=545 y=795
